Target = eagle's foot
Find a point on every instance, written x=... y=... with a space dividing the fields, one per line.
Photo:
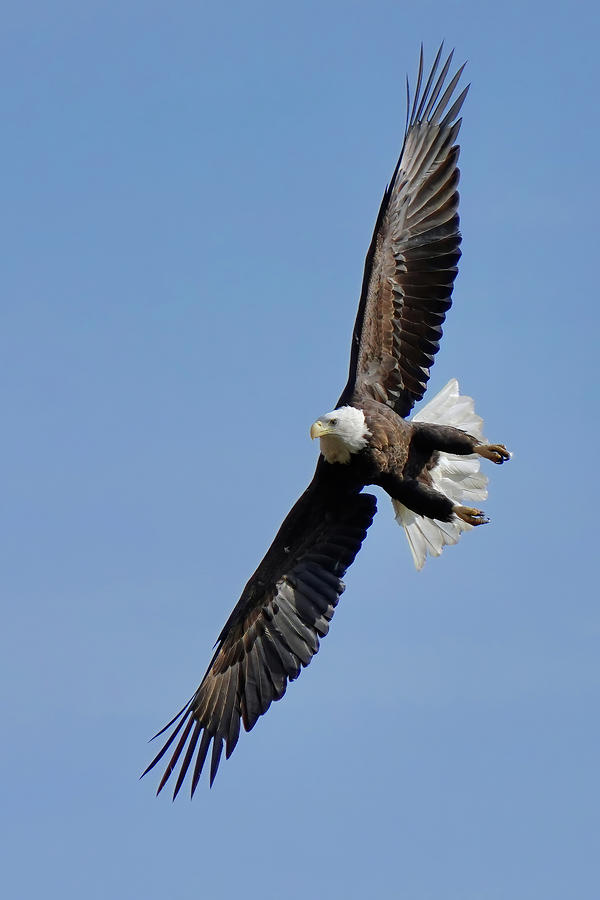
x=497 y=453
x=471 y=516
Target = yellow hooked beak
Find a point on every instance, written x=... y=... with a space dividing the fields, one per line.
x=318 y=429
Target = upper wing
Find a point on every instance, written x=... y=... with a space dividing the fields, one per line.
x=274 y=629
x=411 y=263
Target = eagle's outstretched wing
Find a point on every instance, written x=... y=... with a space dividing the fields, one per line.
x=411 y=264
x=274 y=629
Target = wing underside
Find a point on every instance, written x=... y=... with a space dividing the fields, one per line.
x=272 y=633
x=412 y=261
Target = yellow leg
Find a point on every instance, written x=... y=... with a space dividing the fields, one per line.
x=497 y=453
x=471 y=516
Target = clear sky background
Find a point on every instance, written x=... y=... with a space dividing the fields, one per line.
x=188 y=194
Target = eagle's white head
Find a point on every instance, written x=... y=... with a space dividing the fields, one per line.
x=342 y=432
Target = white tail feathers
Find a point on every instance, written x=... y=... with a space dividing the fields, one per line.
x=458 y=477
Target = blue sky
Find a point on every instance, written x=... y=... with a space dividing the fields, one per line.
x=188 y=195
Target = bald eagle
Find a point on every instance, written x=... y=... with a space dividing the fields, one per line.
x=429 y=466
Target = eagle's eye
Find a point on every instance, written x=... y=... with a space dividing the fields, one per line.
x=333 y=421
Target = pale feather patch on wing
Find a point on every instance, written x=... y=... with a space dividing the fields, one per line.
x=458 y=477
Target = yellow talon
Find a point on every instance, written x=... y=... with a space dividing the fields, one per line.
x=497 y=453
x=471 y=516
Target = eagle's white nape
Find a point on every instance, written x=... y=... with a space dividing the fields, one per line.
x=348 y=434
x=458 y=477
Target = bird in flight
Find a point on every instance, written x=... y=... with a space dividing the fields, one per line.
x=429 y=465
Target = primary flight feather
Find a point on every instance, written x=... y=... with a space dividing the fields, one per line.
x=429 y=466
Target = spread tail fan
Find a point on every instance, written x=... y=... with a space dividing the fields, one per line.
x=458 y=477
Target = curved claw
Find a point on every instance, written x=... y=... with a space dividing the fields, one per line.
x=471 y=516
x=497 y=453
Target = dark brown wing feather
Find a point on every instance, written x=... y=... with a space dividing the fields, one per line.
x=411 y=263
x=274 y=629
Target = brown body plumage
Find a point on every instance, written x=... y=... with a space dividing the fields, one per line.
x=288 y=603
